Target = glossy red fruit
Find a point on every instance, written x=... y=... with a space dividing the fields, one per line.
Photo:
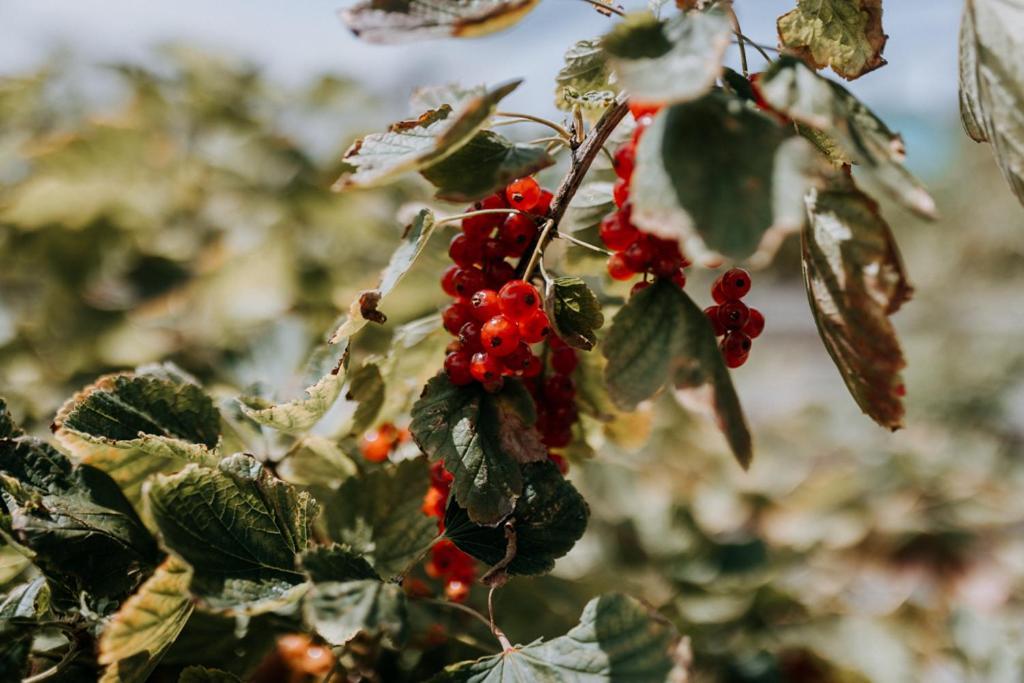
x=735 y=284
x=517 y=361
x=518 y=299
x=564 y=360
x=499 y=336
x=469 y=280
x=478 y=227
x=516 y=234
x=493 y=250
x=375 y=446
x=735 y=348
x=535 y=327
x=616 y=233
x=465 y=251
x=533 y=367
x=640 y=286
x=456 y=365
x=485 y=367
x=448 y=280
x=717 y=293
x=712 y=314
x=620 y=192
x=624 y=159
x=523 y=193
x=544 y=203
x=498 y=273
x=733 y=315
x=485 y=304
x=618 y=268
x=469 y=337
x=639 y=254
x=755 y=323
x=456 y=315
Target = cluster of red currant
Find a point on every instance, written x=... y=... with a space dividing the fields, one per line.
x=555 y=398
x=377 y=444
x=637 y=251
x=731 y=318
x=447 y=563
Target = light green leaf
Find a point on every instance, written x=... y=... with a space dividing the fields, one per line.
x=365 y=307
x=670 y=61
x=585 y=80
x=574 y=311
x=365 y=387
x=414 y=145
x=617 y=640
x=380 y=21
x=378 y=516
x=846 y=35
x=411 y=360
x=840 y=120
x=132 y=425
x=549 y=518
x=12 y=563
x=240 y=529
x=583 y=220
x=199 y=674
x=347 y=598
x=484 y=165
x=992 y=84
x=315 y=461
x=855 y=281
x=139 y=633
x=661 y=336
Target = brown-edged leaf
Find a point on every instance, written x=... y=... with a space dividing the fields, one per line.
x=846 y=35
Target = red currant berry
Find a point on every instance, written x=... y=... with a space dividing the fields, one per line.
x=625 y=157
x=620 y=192
x=616 y=233
x=465 y=251
x=516 y=233
x=523 y=193
x=559 y=389
x=518 y=299
x=448 y=281
x=517 y=361
x=564 y=360
x=561 y=463
x=498 y=273
x=639 y=254
x=544 y=204
x=485 y=304
x=456 y=365
x=735 y=349
x=557 y=438
x=666 y=264
x=478 y=227
x=712 y=314
x=641 y=125
x=641 y=109
x=456 y=315
x=735 y=284
x=717 y=293
x=640 y=286
x=533 y=367
x=535 y=327
x=493 y=250
x=679 y=278
x=469 y=337
x=755 y=324
x=618 y=268
x=469 y=280
x=733 y=315
x=499 y=336
x=485 y=368
x=563 y=415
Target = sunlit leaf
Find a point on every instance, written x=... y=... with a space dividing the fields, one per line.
x=585 y=80
x=846 y=35
x=381 y=21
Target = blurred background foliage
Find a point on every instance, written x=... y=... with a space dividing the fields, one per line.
x=189 y=218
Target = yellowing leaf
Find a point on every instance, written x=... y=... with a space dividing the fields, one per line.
x=846 y=35
x=388 y=21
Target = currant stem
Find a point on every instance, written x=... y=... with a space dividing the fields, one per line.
x=742 y=40
x=762 y=49
x=606 y=9
x=498 y=633
x=470 y=214
x=580 y=243
x=562 y=132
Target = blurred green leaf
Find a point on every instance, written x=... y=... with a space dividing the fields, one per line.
x=378 y=21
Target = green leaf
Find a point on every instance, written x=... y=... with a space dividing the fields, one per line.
x=549 y=518
x=855 y=281
x=347 y=598
x=365 y=307
x=583 y=220
x=745 y=204
x=8 y=428
x=390 y=21
x=132 y=425
x=991 y=84
x=617 y=640
x=12 y=563
x=585 y=80
x=483 y=165
x=85 y=534
x=675 y=60
x=414 y=145
x=316 y=461
x=378 y=516
x=366 y=387
x=661 y=336
x=846 y=35
x=481 y=437
x=137 y=636
x=411 y=360
x=199 y=674
x=239 y=528
x=27 y=601
x=574 y=311
x=841 y=120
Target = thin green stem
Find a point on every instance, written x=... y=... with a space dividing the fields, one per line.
x=535 y=255
x=469 y=214
x=562 y=132
x=740 y=38
x=580 y=243
x=458 y=607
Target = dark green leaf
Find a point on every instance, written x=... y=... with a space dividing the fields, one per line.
x=574 y=311
x=199 y=674
x=675 y=60
x=991 y=85
x=365 y=386
x=661 y=336
x=413 y=145
x=549 y=518
x=846 y=35
x=347 y=597
x=85 y=534
x=855 y=281
x=28 y=601
x=585 y=79
x=239 y=528
x=617 y=640
x=379 y=516
x=391 y=21
x=483 y=165
x=8 y=428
